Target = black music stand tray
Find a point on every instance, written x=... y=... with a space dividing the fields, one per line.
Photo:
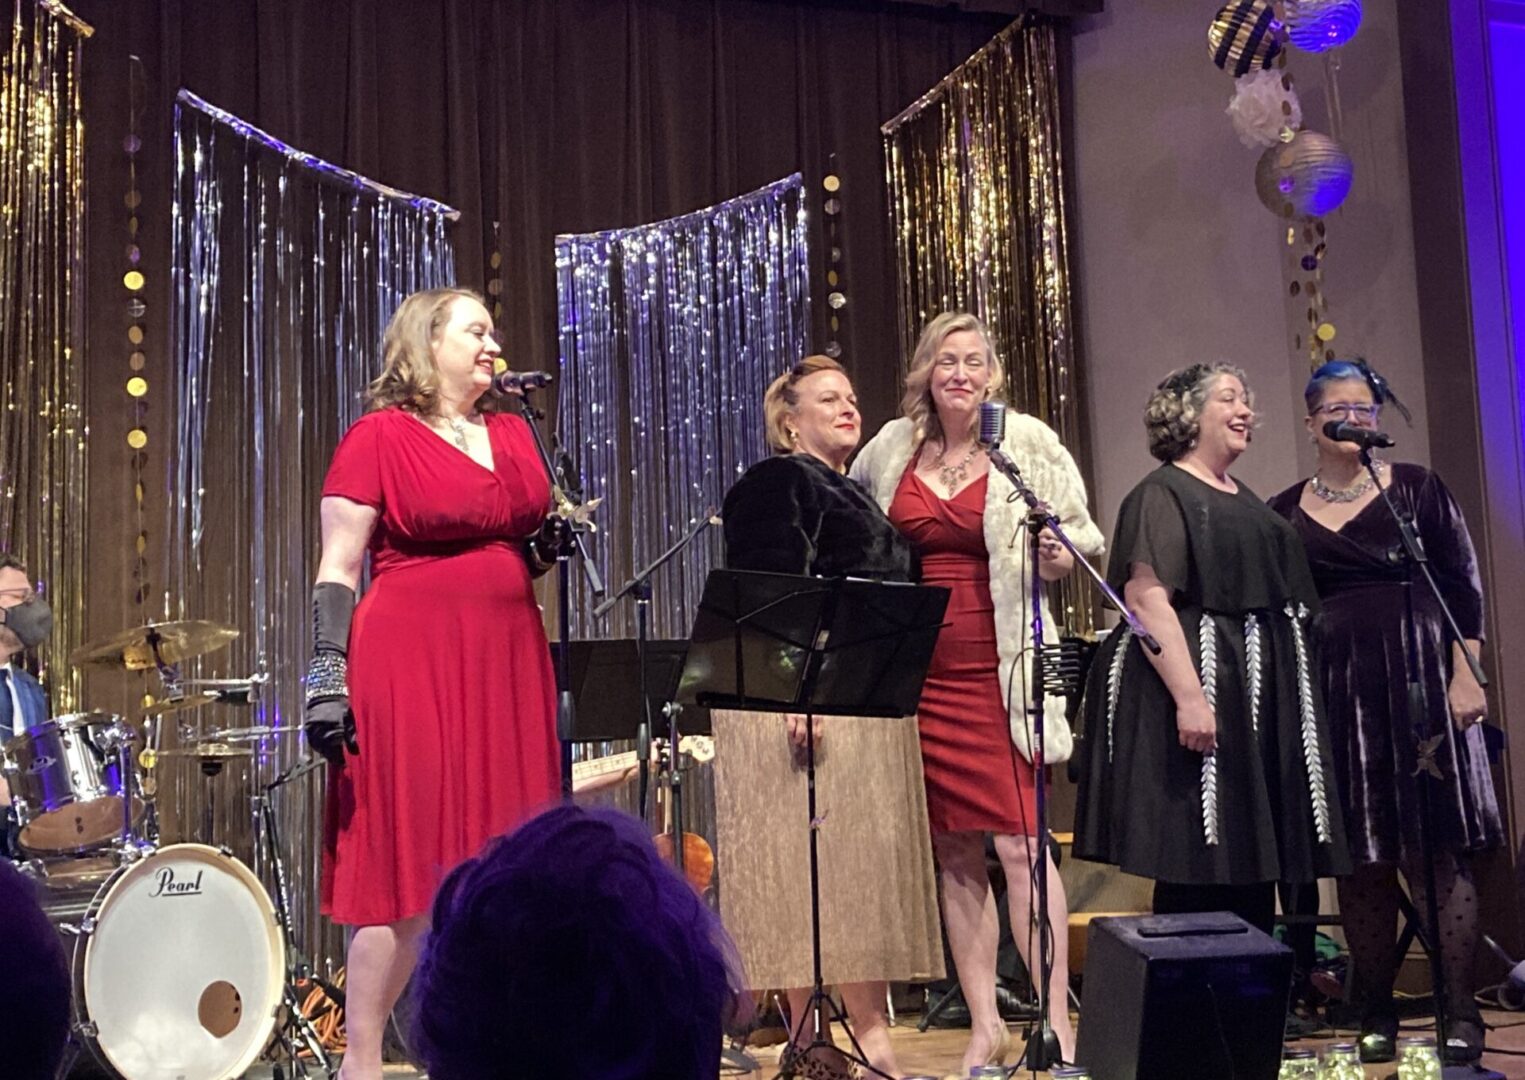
x=822 y=647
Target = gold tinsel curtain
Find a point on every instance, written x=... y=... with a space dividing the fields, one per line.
x=42 y=426
x=976 y=185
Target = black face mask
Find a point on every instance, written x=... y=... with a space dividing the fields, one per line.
x=32 y=621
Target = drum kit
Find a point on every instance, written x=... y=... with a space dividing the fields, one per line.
x=181 y=957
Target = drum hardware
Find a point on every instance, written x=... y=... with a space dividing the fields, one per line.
x=208 y=692
x=297 y=1032
x=251 y=734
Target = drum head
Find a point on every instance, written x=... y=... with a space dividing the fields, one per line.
x=184 y=969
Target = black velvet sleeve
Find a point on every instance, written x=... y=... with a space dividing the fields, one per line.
x=771 y=519
x=1151 y=530
x=1453 y=560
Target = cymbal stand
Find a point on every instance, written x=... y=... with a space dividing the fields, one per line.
x=296 y=1032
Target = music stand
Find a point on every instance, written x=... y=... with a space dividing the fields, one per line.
x=823 y=647
x=606 y=685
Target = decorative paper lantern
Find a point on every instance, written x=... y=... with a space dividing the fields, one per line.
x=1244 y=35
x=1319 y=25
x=1308 y=176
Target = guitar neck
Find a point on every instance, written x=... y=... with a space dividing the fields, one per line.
x=587 y=770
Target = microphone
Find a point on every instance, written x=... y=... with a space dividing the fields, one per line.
x=518 y=382
x=1365 y=438
x=992 y=423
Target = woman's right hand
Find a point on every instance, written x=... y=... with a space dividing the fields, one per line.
x=1197 y=727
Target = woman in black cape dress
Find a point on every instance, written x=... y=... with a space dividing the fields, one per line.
x=1215 y=831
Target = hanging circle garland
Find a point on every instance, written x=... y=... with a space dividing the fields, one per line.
x=1244 y=35
x=1309 y=175
x=1320 y=25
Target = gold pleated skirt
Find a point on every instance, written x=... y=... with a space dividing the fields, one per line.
x=879 y=915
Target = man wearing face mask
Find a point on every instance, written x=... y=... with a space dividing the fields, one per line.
x=25 y=621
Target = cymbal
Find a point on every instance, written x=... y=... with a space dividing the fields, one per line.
x=180 y=704
x=208 y=751
x=134 y=649
x=252 y=734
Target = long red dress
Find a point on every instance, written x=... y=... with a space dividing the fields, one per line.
x=449 y=674
x=976 y=781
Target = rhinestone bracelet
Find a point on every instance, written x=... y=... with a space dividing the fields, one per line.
x=327 y=676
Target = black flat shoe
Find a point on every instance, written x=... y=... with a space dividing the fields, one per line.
x=1379 y=1040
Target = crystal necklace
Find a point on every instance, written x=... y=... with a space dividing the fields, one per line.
x=458 y=427
x=951 y=476
x=1344 y=495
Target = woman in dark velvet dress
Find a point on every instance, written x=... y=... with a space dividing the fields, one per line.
x=798 y=513
x=1350 y=537
x=1208 y=767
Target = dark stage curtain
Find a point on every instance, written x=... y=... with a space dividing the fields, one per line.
x=547 y=116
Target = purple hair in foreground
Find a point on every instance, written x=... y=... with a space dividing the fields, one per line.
x=569 y=948
x=34 y=990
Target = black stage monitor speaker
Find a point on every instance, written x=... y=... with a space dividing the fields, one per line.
x=1184 y=997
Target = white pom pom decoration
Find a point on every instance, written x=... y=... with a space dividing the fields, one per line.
x=1263 y=106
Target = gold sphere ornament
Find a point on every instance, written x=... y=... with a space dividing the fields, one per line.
x=1244 y=35
x=1306 y=177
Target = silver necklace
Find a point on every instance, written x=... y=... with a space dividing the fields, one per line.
x=458 y=426
x=951 y=476
x=1343 y=495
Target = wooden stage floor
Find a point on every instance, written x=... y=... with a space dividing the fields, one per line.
x=937 y=1052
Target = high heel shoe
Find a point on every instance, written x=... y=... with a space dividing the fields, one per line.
x=1000 y=1050
x=1464 y=1040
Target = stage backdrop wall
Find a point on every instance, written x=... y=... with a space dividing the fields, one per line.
x=546 y=116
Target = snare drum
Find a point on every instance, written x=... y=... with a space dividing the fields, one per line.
x=178 y=967
x=66 y=783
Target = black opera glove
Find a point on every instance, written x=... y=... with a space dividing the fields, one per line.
x=549 y=544
x=327 y=719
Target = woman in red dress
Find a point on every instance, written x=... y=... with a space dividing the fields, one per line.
x=433 y=698
x=966 y=524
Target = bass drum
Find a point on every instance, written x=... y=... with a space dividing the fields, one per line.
x=179 y=967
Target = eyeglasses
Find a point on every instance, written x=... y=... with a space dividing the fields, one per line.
x=1346 y=411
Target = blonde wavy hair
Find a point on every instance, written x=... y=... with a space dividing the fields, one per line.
x=409 y=378
x=1173 y=416
x=782 y=399
x=917 y=404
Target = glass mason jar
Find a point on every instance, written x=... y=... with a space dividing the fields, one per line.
x=1341 y=1062
x=1298 y=1065
x=1418 y=1059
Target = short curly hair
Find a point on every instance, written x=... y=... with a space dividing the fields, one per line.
x=1173 y=417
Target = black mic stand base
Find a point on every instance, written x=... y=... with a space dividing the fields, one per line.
x=1042 y=1051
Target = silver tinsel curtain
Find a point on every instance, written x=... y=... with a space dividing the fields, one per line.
x=670 y=333
x=976 y=186
x=285 y=272
x=42 y=422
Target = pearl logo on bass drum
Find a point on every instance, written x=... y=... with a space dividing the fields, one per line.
x=165 y=884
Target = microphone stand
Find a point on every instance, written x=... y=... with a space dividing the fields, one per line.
x=640 y=587
x=1043 y=1045
x=1428 y=763
x=566 y=707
